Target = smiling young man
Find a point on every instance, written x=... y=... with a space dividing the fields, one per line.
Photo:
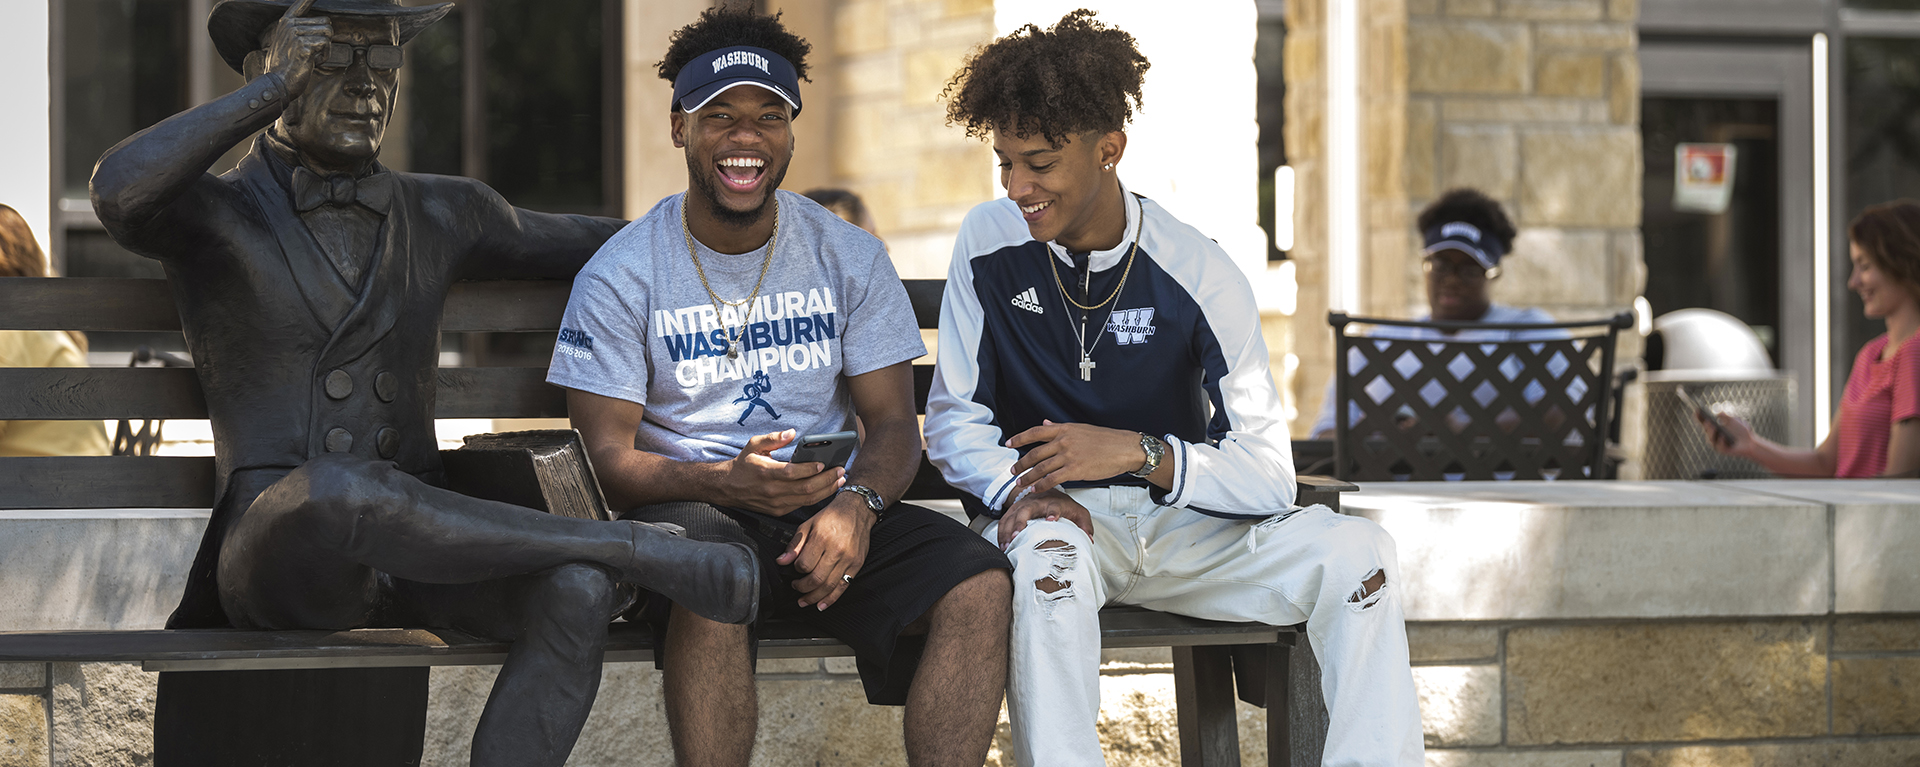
x=707 y=336
x=1103 y=397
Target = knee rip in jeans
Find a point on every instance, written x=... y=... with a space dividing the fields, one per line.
x=1372 y=589
x=1054 y=587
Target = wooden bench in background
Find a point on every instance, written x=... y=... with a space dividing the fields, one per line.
x=1268 y=666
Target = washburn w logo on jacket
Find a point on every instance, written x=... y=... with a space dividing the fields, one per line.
x=1180 y=357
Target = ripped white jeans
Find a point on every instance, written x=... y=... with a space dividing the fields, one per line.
x=1308 y=567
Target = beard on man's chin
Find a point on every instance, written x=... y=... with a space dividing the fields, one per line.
x=733 y=219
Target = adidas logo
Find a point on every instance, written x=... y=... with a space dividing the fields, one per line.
x=1030 y=301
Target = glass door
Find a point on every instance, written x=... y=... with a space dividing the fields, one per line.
x=1749 y=251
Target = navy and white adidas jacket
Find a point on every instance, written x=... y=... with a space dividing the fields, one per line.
x=1180 y=356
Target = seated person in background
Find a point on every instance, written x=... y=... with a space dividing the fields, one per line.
x=701 y=341
x=20 y=256
x=1467 y=234
x=1102 y=395
x=1876 y=432
x=845 y=204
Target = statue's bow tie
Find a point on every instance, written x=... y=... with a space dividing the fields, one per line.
x=311 y=191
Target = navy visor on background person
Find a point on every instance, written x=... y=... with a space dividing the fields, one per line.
x=710 y=73
x=1466 y=238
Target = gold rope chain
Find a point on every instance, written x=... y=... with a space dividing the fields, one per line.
x=1131 y=252
x=772 y=242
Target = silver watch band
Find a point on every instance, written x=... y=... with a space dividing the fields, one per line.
x=1156 y=451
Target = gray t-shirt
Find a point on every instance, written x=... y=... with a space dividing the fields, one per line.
x=640 y=327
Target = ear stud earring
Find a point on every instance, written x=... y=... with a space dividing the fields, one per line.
x=1108 y=166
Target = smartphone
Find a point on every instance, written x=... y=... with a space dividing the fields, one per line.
x=1703 y=414
x=834 y=449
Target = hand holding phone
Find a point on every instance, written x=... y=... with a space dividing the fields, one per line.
x=833 y=449
x=1705 y=416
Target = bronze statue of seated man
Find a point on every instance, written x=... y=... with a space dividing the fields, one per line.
x=309 y=281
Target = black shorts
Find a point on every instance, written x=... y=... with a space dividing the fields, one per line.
x=914 y=557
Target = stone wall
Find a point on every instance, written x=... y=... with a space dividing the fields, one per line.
x=1679 y=624
x=1831 y=691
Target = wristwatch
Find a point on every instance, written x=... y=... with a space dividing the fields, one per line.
x=1156 y=450
x=875 y=503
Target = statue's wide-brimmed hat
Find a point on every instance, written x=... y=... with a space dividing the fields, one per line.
x=236 y=25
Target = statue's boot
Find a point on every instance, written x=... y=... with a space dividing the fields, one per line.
x=717 y=581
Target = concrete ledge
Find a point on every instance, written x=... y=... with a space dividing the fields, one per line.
x=1876 y=538
x=94 y=568
x=1478 y=551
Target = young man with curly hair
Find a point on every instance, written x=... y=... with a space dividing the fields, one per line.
x=708 y=335
x=1103 y=397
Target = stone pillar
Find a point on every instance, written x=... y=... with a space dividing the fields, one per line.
x=1385 y=237
x=654 y=168
x=890 y=143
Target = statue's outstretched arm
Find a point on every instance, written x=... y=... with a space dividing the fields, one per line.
x=516 y=243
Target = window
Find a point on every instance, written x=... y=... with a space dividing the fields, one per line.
x=1882 y=160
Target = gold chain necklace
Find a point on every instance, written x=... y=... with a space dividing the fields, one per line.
x=733 y=348
x=1080 y=332
x=1131 y=252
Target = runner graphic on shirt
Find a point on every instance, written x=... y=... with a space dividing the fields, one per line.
x=760 y=384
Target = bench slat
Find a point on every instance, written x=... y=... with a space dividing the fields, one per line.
x=97 y=304
x=140 y=393
x=101 y=304
x=228 y=649
x=100 y=393
x=81 y=303
x=104 y=482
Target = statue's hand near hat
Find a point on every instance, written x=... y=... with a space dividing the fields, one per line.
x=294 y=44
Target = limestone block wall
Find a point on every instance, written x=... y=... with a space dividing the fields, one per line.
x=1735 y=624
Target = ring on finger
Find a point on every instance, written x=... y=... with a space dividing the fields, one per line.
x=846 y=579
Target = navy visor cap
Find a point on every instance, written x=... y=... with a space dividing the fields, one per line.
x=1466 y=238
x=710 y=73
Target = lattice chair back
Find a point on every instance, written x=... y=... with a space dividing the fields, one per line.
x=1435 y=401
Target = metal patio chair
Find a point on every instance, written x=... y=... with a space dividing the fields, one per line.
x=1538 y=407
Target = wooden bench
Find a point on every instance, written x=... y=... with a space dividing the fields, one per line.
x=1268 y=666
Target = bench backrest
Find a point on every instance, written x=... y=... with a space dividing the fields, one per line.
x=28 y=303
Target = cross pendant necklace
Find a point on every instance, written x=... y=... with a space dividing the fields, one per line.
x=1086 y=288
x=1086 y=360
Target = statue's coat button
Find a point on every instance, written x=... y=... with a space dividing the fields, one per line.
x=253 y=103
x=388 y=441
x=339 y=440
x=270 y=94
x=339 y=384
x=386 y=386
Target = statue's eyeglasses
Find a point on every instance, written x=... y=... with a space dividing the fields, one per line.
x=382 y=57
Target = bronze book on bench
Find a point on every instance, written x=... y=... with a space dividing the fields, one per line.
x=545 y=469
